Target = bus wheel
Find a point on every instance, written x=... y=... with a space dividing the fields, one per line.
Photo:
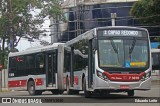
x=61 y=91
x=76 y=92
x=69 y=91
x=56 y=92
x=130 y=93
x=31 y=88
x=87 y=94
x=39 y=92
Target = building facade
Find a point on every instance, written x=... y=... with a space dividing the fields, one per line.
x=83 y=15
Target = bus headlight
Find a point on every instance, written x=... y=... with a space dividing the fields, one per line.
x=146 y=76
x=102 y=75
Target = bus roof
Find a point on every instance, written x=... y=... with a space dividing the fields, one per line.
x=129 y=27
x=90 y=34
x=85 y=35
x=35 y=49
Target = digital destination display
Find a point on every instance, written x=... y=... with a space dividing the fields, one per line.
x=122 y=32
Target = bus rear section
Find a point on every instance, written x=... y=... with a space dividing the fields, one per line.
x=35 y=70
x=155 y=64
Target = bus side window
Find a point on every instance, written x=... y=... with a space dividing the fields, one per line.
x=12 y=67
x=67 y=61
x=20 y=65
x=155 y=61
x=84 y=63
x=30 y=62
x=39 y=61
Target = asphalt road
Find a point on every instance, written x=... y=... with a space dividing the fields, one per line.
x=154 y=92
x=120 y=99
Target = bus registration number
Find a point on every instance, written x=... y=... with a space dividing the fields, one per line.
x=124 y=86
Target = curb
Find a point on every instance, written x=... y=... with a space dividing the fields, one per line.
x=5 y=90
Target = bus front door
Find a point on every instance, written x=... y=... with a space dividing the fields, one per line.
x=51 y=69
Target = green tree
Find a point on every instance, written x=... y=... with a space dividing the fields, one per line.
x=148 y=11
x=24 y=22
x=157 y=39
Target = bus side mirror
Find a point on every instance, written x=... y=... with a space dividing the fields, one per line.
x=94 y=44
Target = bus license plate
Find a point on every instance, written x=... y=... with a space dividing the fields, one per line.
x=124 y=86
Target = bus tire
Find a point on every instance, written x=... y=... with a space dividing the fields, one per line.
x=87 y=94
x=56 y=92
x=38 y=92
x=61 y=91
x=130 y=93
x=31 y=89
x=69 y=91
x=76 y=92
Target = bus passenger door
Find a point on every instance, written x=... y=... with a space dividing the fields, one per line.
x=71 y=69
x=90 y=65
x=51 y=68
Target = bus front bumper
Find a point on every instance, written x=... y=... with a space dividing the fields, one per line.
x=114 y=85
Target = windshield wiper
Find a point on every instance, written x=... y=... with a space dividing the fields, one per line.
x=132 y=47
x=115 y=49
x=114 y=46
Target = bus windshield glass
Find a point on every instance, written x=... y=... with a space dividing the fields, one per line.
x=125 y=53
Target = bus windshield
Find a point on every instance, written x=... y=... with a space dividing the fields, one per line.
x=125 y=53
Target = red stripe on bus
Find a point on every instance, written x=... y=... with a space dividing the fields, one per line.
x=76 y=80
x=124 y=77
x=64 y=80
x=39 y=81
x=17 y=83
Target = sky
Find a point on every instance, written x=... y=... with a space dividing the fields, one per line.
x=24 y=43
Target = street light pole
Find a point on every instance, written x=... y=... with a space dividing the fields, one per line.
x=113 y=17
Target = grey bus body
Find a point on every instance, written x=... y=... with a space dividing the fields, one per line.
x=91 y=77
x=36 y=70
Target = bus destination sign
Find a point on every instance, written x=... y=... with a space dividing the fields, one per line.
x=117 y=32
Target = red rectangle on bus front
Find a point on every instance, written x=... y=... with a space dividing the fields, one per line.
x=76 y=80
x=124 y=77
x=39 y=81
x=121 y=77
x=124 y=86
x=17 y=83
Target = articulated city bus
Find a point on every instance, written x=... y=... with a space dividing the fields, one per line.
x=108 y=59
x=36 y=70
x=155 y=64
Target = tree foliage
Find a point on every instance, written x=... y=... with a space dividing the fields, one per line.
x=157 y=39
x=147 y=10
x=27 y=17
